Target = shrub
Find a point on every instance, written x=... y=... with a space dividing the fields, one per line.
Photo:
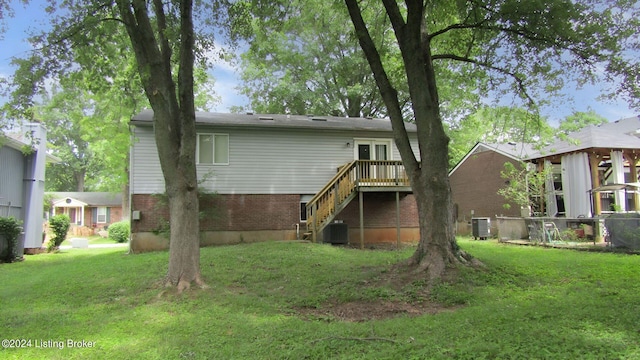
x=119 y=232
x=59 y=224
x=10 y=229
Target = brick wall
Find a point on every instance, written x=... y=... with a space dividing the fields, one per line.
x=153 y=212
x=475 y=185
x=225 y=212
x=250 y=212
x=272 y=212
x=115 y=215
x=379 y=210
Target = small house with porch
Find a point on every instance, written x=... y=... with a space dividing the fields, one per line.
x=89 y=212
x=279 y=177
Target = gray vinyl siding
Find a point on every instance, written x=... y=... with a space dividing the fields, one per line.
x=145 y=172
x=261 y=161
x=11 y=182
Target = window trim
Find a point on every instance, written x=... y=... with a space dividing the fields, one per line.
x=98 y=215
x=372 y=142
x=213 y=147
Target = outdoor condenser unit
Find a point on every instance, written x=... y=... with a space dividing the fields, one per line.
x=336 y=233
x=481 y=228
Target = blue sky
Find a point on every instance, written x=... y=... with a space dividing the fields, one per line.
x=13 y=44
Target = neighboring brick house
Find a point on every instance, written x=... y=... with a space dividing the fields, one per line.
x=278 y=177
x=594 y=173
x=89 y=212
x=476 y=179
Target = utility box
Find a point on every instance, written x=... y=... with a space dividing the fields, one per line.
x=481 y=228
x=336 y=233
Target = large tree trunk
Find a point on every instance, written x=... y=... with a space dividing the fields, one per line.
x=174 y=126
x=429 y=177
x=177 y=159
x=437 y=249
x=184 y=246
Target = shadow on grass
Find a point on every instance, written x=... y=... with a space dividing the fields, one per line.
x=536 y=303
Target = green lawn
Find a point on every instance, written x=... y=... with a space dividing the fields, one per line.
x=266 y=301
x=93 y=240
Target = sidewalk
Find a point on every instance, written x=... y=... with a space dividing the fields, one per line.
x=96 y=246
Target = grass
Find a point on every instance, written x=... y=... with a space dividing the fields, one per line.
x=92 y=240
x=530 y=303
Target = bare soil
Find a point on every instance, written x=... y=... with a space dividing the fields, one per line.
x=376 y=309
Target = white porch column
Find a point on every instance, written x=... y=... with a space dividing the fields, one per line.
x=617 y=172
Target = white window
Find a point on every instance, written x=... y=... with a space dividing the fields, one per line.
x=102 y=215
x=213 y=149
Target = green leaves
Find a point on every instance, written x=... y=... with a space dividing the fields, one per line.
x=304 y=59
x=524 y=184
x=10 y=229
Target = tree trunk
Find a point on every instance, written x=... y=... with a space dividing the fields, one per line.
x=79 y=177
x=184 y=246
x=177 y=159
x=437 y=249
x=174 y=126
x=429 y=177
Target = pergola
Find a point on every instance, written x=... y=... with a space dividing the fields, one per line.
x=589 y=157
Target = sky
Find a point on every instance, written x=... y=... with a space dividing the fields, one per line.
x=13 y=44
x=227 y=79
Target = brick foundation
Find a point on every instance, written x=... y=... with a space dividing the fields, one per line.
x=232 y=219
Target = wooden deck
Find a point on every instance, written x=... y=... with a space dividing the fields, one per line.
x=352 y=178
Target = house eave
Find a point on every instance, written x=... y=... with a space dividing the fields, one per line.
x=281 y=121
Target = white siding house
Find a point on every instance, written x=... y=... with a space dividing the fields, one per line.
x=266 y=157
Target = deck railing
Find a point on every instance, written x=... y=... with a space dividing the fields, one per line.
x=334 y=196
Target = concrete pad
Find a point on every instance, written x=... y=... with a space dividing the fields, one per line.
x=79 y=243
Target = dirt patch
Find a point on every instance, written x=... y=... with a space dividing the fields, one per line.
x=407 y=284
x=359 y=311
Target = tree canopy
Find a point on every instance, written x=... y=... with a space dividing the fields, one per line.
x=497 y=124
x=304 y=58
x=579 y=119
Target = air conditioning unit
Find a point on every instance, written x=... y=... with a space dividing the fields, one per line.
x=481 y=228
x=336 y=233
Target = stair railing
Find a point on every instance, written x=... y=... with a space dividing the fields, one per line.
x=323 y=206
x=334 y=196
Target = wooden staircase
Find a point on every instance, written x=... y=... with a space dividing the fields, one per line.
x=376 y=175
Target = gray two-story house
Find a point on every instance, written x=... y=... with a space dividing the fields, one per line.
x=276 y=177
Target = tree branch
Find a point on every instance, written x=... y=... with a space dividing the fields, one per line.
x=387 y=91
x=519 y=81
